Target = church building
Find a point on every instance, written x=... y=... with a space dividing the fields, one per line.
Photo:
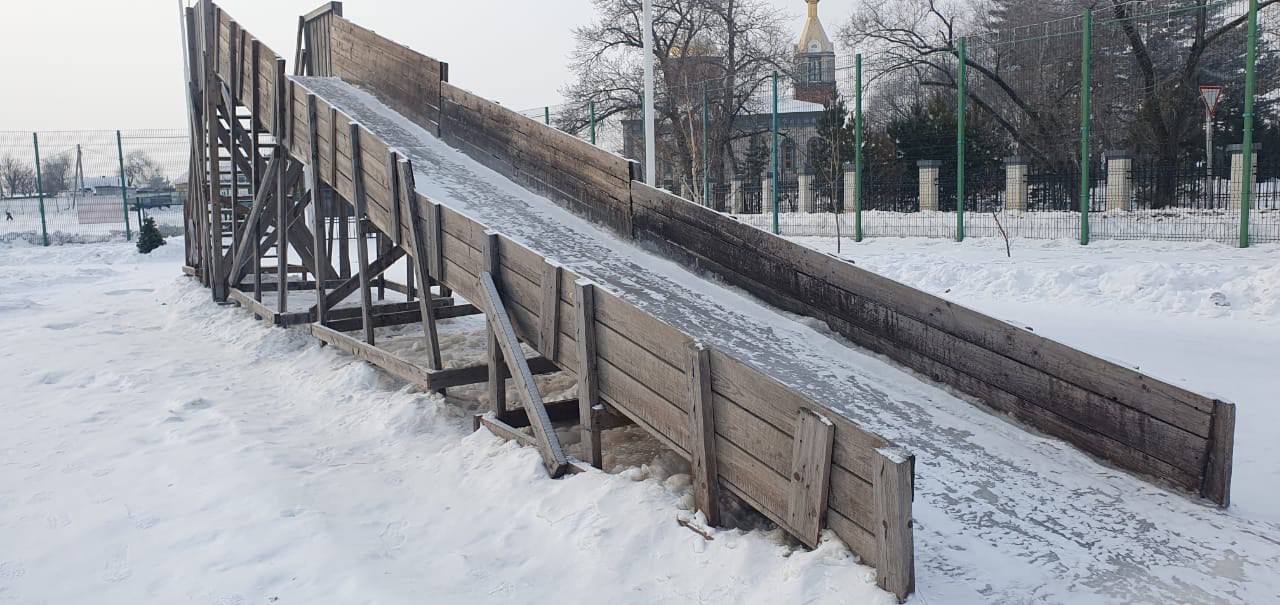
x=812 y=90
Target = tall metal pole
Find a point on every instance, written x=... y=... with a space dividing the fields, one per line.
x=124 y=188
x=1086 y=113
x=774 y=126
x=706 y=149
x=857 y=152
x=44 y=227
x=1250 y=71
x=962 y=101
x=546 y=115
x=593 y=122
x=650 y=134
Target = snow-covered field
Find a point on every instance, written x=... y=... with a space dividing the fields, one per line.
x=158 y=448
x=79 y=220
x=1160 y=225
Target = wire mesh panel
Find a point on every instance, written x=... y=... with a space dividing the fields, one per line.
x=77 y=194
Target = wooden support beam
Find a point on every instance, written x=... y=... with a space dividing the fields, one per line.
x=497 y=382
x=344 y=228
x=584 y=307
x=419 y=262
x=261 y=311
x=810 y=476
x=702 y=433
x=549 y=311
x=1217 y=475
x=263 y=196
x=567 y=411
x=397 y=193
x=317 y=205
x=553 y=457
x=282 y=197
x=893 y=487
x=350 y=285
x=362 y=218
x=392 y=314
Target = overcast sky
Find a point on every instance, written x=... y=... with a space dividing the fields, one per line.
x=117 y=64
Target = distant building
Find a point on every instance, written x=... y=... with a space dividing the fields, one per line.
x=102 y=185
x=813 y=90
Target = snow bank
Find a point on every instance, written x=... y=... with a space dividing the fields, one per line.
x=158 y=448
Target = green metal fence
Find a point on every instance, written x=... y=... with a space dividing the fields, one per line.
x=61 y=187
x=1085 y=126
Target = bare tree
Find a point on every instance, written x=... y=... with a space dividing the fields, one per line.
x=55 y=174
x=18 y=176
x=141 y=171
x=725 y=48
x=1035 y=100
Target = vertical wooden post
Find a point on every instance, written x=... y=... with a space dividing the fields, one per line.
x=384 y=247
x=893 y=488
x=317 y=207
x=1217 y=477
x=419 y=261
x=393 y=172
x=497 y=382
x=283 y=105
x=215 y=154
x=233 y=141
x=362 y=216
x=702 y=433
x=810 y=475
x=584 y=306
x=344 y=228
x=549 y=313
x=255 y=152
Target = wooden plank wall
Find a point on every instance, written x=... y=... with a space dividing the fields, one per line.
x=1130 y=419
x=265 y=70
x=585 y=179
x=406 y=81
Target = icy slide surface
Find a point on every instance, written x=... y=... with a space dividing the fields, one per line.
x=1001 y=515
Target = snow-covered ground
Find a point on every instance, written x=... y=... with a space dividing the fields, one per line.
x=79 y=219
x=158 y=448
x=1161 y=225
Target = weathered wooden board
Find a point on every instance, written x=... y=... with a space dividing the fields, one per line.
x=406 y=81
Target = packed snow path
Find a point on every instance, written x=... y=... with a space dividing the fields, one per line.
x=158 y=448
x=1002 y=515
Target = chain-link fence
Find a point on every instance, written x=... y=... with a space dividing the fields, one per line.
x=85 y=186
x=1086 y=125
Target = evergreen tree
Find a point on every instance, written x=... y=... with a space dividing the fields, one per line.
x=149 y=237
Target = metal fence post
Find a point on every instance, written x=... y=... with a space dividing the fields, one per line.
x=857 y=153
x=44 y=226
x=776 y=182
x=546 y=115
x=1086 y=96
x=706 y=150
x=124 y=188
x=962 y=57
x=1250 y=71
x=592 y=105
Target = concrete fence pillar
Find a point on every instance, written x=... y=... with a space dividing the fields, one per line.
x=808 y=203
x=850 y=188
x=766 y=193
x=929 y=171
x=735 y=195
x=1119 y=180
x=1015 y=184
x=1237 y=175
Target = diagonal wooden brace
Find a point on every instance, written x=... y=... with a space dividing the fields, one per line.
x=553 y=457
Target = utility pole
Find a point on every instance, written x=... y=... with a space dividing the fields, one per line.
x=650 y=142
